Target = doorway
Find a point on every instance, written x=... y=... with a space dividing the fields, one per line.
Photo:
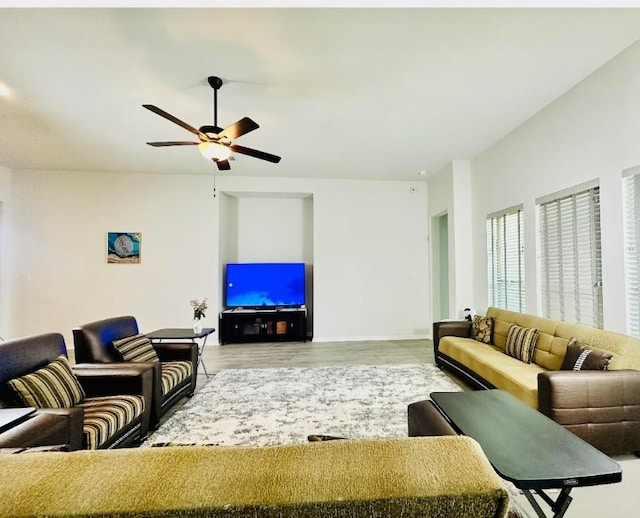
x=440 y=273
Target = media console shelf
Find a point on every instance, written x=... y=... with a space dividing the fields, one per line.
x=262 y=325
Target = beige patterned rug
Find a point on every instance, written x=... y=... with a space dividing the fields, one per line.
x=283 y=406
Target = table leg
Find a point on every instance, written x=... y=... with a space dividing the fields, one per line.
x=558 y=506
x=200 y=351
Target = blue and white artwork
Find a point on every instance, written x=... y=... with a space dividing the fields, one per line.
x=123 y=247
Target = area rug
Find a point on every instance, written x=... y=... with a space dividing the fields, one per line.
x=260 y=407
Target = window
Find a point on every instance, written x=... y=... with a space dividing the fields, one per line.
x=631 y=190
x=505 y=261
x=570 y=256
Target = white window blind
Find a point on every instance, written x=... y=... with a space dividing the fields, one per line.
x=570 y=257
x=505 y=260
x=631 y=190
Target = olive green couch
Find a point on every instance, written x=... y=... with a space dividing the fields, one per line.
x=406 y=477
x=602 y=407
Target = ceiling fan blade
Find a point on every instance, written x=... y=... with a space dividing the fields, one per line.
x=175 y=120
x=173 y=143
x=238 y=128
x=223 y=165
x=255 y=153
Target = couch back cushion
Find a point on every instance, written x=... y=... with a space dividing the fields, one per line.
x=52 y=386
x=94 y=341
x=555 y=335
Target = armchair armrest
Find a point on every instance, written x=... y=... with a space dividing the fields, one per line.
x=601 y=407
x=47 y=427
x=100 y=379
x=449 y=328
x=177 y=351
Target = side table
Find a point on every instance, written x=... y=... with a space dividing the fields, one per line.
x=10 y=417
x=184 y=334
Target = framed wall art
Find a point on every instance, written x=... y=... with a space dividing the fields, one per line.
x=123 y=247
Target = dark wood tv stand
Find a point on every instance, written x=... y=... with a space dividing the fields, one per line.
x=241 y=325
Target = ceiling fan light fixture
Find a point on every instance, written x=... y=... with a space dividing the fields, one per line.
x=213 y=151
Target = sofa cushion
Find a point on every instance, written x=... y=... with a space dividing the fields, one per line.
x=482 y=329
x=582 y=358
x=173 y=373
x=498 y=369
x=421 y=476
x=136 y=348
x=521 y=342
x=52 y=386
x=106 y=415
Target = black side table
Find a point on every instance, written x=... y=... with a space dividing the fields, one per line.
x=184 y=334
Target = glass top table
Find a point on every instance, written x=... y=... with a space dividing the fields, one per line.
x=526 y=447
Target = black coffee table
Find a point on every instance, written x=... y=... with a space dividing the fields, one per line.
x=526 y=447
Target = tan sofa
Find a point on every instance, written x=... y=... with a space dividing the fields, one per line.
x=410 y=477
x=602 y=407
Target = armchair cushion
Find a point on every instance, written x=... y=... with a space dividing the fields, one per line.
x=136 y=348
x=173 y=373
x=105 y=416
x=52 y=386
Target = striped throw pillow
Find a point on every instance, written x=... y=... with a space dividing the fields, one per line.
x=52 y=386
x=136 y=348
x=521 y=342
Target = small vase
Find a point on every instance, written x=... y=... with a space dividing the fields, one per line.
x=197 y=326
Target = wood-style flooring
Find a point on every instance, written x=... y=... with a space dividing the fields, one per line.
x=313 y=354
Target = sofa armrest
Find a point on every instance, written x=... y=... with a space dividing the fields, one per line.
x=177 y=351
x=449 y=328
x=601 y=407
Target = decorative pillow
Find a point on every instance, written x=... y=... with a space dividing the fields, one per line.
x=521 y=342
x=52 y=386
x=136 y=348
x=581 y=358
x=482 y=329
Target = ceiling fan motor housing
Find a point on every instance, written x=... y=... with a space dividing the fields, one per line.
x=214 y=82
x=211 y=131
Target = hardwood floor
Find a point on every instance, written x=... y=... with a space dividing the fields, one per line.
x=311 y=354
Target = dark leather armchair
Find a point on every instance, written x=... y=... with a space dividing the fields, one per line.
x=94 y=344
x=90 y=423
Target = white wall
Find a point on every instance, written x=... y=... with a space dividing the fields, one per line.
x=369 y=250
x=5 y=206
x=59 y=276
x=591 y=132
x=450 y=192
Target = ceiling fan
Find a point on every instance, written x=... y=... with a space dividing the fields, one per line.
x=215 y=143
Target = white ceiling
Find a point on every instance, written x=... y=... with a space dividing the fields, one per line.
x=338 y=93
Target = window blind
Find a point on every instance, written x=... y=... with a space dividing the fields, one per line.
x=631 y=204
x=505 y=260
x=570 y=257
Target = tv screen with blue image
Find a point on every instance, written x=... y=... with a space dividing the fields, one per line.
x=264 y=285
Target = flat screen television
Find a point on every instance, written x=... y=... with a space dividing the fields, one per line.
x=264 y=285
